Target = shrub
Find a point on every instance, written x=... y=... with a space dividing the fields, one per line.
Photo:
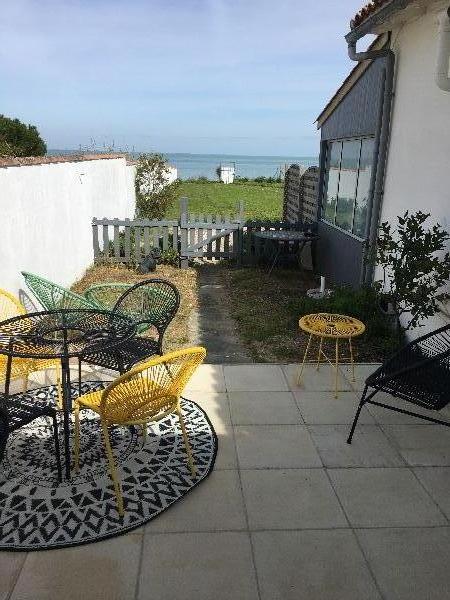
x=169 y=257
x=415 y=267
x=154 y=196
x=361 y=303
x=18 y=139
x=200 y=179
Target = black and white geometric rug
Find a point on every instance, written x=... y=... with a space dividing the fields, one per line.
x=37 y=512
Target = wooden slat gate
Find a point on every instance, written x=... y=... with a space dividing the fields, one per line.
x=209 y=236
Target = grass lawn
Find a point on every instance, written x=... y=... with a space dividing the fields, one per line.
x=261 y=201
x=267 y=309
x=177 y=334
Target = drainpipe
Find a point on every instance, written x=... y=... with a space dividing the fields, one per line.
x=443 y=60
x=381 y=142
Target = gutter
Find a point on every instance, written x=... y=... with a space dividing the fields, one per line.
x=376 y=189
x=443 y=60
x=378 y=18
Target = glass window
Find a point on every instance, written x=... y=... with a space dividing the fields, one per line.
x=362 y=194
x=348 y=180
x=332 y=182
x=347 y=183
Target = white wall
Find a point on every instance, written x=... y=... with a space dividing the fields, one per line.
x=46 y=212
x=418 y=168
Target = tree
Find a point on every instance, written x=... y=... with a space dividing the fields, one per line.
x=18 y=139
x=154 y=195
x=416 y=267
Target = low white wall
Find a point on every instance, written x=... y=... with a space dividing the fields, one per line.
x=417 y=176
x=46 y=212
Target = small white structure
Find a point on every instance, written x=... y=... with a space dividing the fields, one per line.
x=172 y=174
x=226 y=173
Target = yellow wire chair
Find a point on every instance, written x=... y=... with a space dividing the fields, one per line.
x=21 y=368
x=148 y=392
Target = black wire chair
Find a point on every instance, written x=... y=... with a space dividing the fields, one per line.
x=151 y=304
x=419 y=373
x=16 y=412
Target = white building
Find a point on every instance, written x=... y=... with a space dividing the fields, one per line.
x=385 y=134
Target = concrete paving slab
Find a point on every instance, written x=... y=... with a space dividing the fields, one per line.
x=226 y=449
x=362 y=371
x=290 y=499
x=214 y=505
x=103 y=571
x=436 y=481
x=207 y=378
x=10 y=565
x=322 y=408
x=216 y=406
x=384 y=498
x=409 y=564
x=200 y=566
x=275 y=447
x=369 y=448
x=263 y=408
x=254 y=378
x=313 y=380
x=421 y=446
x=390 y=417
x=310 y=565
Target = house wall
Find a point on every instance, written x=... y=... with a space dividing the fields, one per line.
x=340 y=256
x=418 y=167
x=46 y=212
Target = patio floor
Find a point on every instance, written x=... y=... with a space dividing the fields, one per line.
x=290 y=511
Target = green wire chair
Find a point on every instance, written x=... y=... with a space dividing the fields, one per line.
x=53 y=296
x=107 y=296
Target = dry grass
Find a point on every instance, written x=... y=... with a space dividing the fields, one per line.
x=177 y=334
x=260 y=304
x=267 y=308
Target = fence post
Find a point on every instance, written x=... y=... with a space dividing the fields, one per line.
x=95 y=240
x=239 y=238
x=184 y=260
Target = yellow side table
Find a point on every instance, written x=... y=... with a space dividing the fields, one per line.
x=331 y=326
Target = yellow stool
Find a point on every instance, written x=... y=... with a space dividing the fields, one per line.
x=331 y=326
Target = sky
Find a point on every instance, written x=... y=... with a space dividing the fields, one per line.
x=198 y=76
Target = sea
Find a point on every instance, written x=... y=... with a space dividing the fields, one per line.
x=205 y=165
x=191 y=166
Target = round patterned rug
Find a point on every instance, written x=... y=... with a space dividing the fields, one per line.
x=36 y=512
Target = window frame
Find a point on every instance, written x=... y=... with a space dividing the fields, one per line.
x=341 y=141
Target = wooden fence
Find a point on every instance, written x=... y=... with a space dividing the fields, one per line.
x=300 y=194
x=208 y=237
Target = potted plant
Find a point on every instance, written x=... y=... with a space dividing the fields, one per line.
x=416 y=269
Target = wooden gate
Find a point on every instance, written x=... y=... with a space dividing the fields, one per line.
x=209 y=236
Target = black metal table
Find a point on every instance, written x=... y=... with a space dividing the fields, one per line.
x=62 y=334
x=281 y=237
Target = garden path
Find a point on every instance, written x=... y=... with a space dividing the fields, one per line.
x=211 y=325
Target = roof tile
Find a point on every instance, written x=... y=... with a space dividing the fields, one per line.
x=367 y=10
